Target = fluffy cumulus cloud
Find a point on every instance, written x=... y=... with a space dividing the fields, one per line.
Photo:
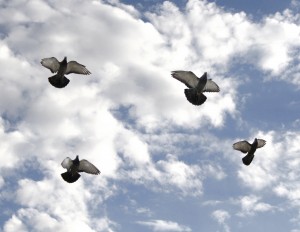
x=130 y=117
x=268 y=43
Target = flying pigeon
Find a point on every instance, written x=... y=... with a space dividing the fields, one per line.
x=196 y=86
x=245 y=147
x=62 y=68
x=75 y=166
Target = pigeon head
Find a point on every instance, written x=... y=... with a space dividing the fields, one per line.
x=255 y=141
x=76 y=161
x=64 y=61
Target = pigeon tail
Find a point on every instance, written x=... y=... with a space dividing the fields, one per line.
x=69 y=177
x=194 y=97
x=248 y=159
x=57 y=82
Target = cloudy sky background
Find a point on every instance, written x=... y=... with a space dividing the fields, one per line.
x=165 y=164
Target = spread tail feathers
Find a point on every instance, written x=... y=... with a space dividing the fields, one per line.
x=195 y=98
x=248 y=159
x=67 y=176
x=58 y=82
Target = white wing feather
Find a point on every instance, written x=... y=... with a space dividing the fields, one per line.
x=260 y=143
x=75 y=67
x=186 y=77
x=86 y=166
x=67 y=162
x=242 y=146
x=211 y=86
x=51 y=63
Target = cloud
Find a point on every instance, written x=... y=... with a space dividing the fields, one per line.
x=51 y=205
x=221 y=216
x=130 y=101
x=36 y=220
x=14 y=224
x=220 y=39
x=251 y=205
x=276 y=158
x=161 y=225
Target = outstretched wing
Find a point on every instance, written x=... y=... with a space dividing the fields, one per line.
x=86 y=166
x=242 y=146
x=51 y=63
x=74 y=67
x=260 y=143
x=211 y=86
x=67 y=162
x=186 y=77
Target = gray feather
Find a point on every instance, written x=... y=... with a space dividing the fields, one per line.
x=51 y=63
x=86 y=166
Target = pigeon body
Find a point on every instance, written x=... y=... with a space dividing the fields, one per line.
x=196 y=86
x=62 y=68
x=246 y=147
x=75 y=166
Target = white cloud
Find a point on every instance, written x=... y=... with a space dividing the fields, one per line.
x=161 y=225
x=274 y=163
x=130 y=61
x=53 y=205
x=187 y=177
x=262 y=172
x=145 y=211
x=251 y=205
x=221 y=216
x=14 y=224
x=216 y=37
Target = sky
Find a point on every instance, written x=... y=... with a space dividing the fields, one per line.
x=166 y=165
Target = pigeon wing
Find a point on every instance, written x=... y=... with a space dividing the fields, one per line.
x=211 y=86
x=51 y=63
x=86 y=166
x=260 y=143
x=67 y=162
x=74 y=67
x=242 y=146
x=186 y=77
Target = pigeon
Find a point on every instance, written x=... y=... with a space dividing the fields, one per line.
x=75 y=166
x=62 y=68
x=196 y=86
x=246 y=147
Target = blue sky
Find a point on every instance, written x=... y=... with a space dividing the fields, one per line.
x=165 y=164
